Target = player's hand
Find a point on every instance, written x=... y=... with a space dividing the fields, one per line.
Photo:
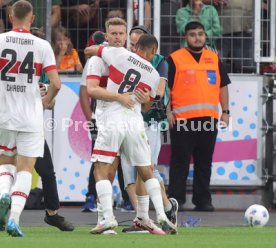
x=43 y=89
x=171 y=118
x=126 y=100
x=142 y=96
x=91 y=51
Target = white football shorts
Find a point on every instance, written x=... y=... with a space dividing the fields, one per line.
x=125 y=134
x=21 y=143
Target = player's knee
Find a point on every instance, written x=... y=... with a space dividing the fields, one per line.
x=145 y=172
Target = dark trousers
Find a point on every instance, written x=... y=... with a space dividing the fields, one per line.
x=45 y=169
x=199 y=145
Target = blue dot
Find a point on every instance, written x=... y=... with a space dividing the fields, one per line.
x=250 y=168
x=84 y=191
x=247 y=137
x=163 y=176
x=87 y=179
x=82 y=161
x=115 y=189
x=69 y=156
x=67 y=198
x=238 y=164
x=236 y=133
x=233 y=103
x=245 y=108
x=245 y=178
x=220 y=171
x=252 y=126
x=233 y=176
x=191 y=173
x=72 y=186
x=59 y=181
x=240 y=120
x=77 y=174
x=219 y=139
x=250 y=96
x=65 y=169
x=256 y=113
x=116 y=176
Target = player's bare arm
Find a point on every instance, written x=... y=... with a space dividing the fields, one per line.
x=85 y=103
x=54 y=87
x=91 y=51
x=43 y=92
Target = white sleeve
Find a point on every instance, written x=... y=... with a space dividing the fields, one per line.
x=95 y=67
x=110 y=54
x=49 y=60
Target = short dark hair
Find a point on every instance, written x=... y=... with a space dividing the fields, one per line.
x=147 y=41
x=139 y=29
x=38 y=32
x=21 y=9
x=193 y=25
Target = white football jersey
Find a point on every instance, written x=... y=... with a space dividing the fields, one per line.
x=128 y=72
x=96 y=68
x=22 y=58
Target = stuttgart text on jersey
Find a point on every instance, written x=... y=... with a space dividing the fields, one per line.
x=139 y=64
x=20 y=41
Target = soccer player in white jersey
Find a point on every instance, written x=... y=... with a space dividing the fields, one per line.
x=98 y=71
x=121 y=126
x=22 y=57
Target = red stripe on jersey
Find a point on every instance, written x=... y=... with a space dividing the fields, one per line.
x=100 y=50
x=3 y=62
x=49 y=68
x=15 y=68
x=115 y=75
x=93 y=77
x=38 y=69
x=103 y=82
x=6 y=174
x=143 y=86
x=5 y=148
x=105 y=153
x=19 y=193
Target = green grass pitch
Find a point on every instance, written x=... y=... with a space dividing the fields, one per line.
x=193 y=237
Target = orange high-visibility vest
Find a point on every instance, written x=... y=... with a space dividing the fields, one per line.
x=196 y=85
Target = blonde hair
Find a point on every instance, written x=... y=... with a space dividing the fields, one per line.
x=116 y=21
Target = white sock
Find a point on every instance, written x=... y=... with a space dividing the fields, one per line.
x=153 y=188
x=168 y=207
x=104 y=192
x=20 y=192
x=143 y=206
x=100 y=212
x=7 y=173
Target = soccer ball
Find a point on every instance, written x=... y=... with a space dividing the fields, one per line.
x=256 y=216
